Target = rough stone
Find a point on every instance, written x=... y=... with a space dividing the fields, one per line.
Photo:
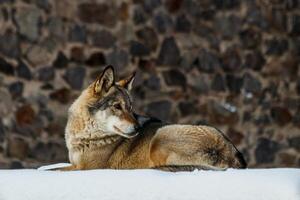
x=255 y=16
x=38 y=55
x=18 y=148
x=52 y=43
x=291 y=4
x=182 y=24
x=162 y=22
x=160 y=109
x=251 y=84
x=222 y=113
x=23 y=71
x=25 y=115
x=234 y=83
x=235 y=136
x=98 y=13
x=153 y=83
x=262 y=120
x=187 y=60
x=77 y=54
x=250 y=38
x=287 y=159
x=103 y=39
x=44 y=4
x=169 y=53
x=74 y=76
x=16 y=165
x=148 y=37
x=118 y=58
x=247 y=116
x=207 y=61
x=298 y=86
x=49 y=152
x=231 y=60
x=150 y=5
x=227 y=4
x=173 y=5
x=9 y=44
x=137 y=49
x=147 y=65
x=123 y=11
x=254 y=60
x=276 y=46
x=296 y=118
x=28 y=19
x=57 y=27
x=187 y=108
x=295 y=25
x=78 y=34
x=61 y=61
x=65 y=9
x=47 y=86
x=46 y=113
x=278 y=19
x=16 y=89
x=46 y=74
x=4 y=164
x=62 y=95
x=174 y=77
x=281 y=115
x=294 y=142
x=139 y=15
x=218 y=83
x=6 y=103
x=55 y=129
x=96 y=59
x=228 y=26
x=199 y=83
x=199 y=10
x=6 y=1
x=266 y=150
x=208 y=33
x=6 y=68
x=2 y=131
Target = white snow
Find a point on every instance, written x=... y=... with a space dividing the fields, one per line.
x=250 y=184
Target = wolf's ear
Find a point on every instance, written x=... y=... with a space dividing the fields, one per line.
x=127 y=83
x=105 y=80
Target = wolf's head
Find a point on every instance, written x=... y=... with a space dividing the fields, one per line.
x=105 y=107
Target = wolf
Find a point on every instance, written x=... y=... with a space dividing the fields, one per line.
x=103 y=132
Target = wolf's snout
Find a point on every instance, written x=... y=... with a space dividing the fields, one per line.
x=131 y=129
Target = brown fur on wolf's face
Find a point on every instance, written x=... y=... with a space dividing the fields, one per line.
x=102 y=132
x=111 y=105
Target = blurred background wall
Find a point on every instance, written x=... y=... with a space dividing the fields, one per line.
x=232 y=64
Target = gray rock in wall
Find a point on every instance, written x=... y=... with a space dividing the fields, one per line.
x=28 y=22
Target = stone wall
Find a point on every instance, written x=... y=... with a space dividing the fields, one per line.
x=229 y=63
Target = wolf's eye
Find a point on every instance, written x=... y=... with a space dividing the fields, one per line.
x=118 y=107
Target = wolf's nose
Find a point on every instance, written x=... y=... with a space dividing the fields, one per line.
x=136 y=127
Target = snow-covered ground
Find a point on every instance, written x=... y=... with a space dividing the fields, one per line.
x=254 y=184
